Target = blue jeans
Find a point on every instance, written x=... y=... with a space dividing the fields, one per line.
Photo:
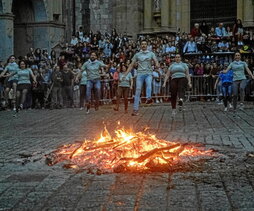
x=139 y=84
x=96 y=85
x=226 y=89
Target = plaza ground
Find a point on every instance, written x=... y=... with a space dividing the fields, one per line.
x=223 y=183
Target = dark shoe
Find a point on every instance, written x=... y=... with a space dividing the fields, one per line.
x=116 y=109
x=134 y=113
x=126 y=111
x=96 y=108
x=149 y=101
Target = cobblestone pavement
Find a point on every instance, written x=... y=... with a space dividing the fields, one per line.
x=224 y=183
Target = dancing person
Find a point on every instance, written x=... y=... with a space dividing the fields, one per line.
x=92 y=67
x=226 y=80
x=179 y=73
x=144 y=60
x=11 y=69
x=24 y=75
x=124 y=85
x=239 y=79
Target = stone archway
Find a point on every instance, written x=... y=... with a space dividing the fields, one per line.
x=28 y=16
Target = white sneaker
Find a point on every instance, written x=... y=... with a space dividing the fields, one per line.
x=241 y=106
x=161 y=100
x=226 y=109
x=81 y=108
x=14 y=109
x=173 y=113
x=157 y=101
x=21 y=106
x=230 y=106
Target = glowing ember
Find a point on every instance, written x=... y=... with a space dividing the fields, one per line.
x=127 y=151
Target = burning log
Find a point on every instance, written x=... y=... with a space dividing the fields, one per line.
x=125 y=152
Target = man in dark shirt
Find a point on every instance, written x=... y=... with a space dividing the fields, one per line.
x=57 y=97
x=67 y=85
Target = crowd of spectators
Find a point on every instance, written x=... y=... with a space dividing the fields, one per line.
x=206 y=50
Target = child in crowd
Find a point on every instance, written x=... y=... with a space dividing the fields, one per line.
x=227 y=82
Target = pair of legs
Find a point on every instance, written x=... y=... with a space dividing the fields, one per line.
x=82 y=89
x=177 y=86
x=22 y=91
x=68 y=94
x=227 y=93
x=122 y=91
x=37 y=99
x=96 y=85
x=56 y=97
x=240 y=84
x=147 y=78
x=11 y=85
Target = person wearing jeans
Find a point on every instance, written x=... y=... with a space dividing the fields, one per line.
x=239 y=79
x=144 y=60
x=92 y=68
x=179 y=73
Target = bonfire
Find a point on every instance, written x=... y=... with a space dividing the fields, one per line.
x=126 y=152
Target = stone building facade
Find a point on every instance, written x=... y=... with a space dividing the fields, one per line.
x=163 y=16
x=30 y=23
x=47 y=23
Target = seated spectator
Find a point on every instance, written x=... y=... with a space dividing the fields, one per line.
x=214 y=47
x=238 y=31
x=80 y=33
x=204 y=28
x=190 y=46
x=170 y=49
x=85 y=39
x=200 y=40
x=107 y=49
x=229 y=32
x=220 y=31
x=195 y=30
x=223 y=45
x=74 y=40
x=199 y=69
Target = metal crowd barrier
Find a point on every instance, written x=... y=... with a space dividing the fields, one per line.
x=202 y=86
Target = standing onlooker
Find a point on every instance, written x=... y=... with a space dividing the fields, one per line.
x=82 y=76
x=57 y=82
x=67 y=86
x=156 y=84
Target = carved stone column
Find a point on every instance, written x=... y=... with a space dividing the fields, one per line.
x=6 y=36
x=248 y=13
x=148 y=15
x=165 y=14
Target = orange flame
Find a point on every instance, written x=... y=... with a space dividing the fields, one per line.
x=127 y=151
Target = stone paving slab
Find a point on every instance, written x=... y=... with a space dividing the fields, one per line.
x=224 y=183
